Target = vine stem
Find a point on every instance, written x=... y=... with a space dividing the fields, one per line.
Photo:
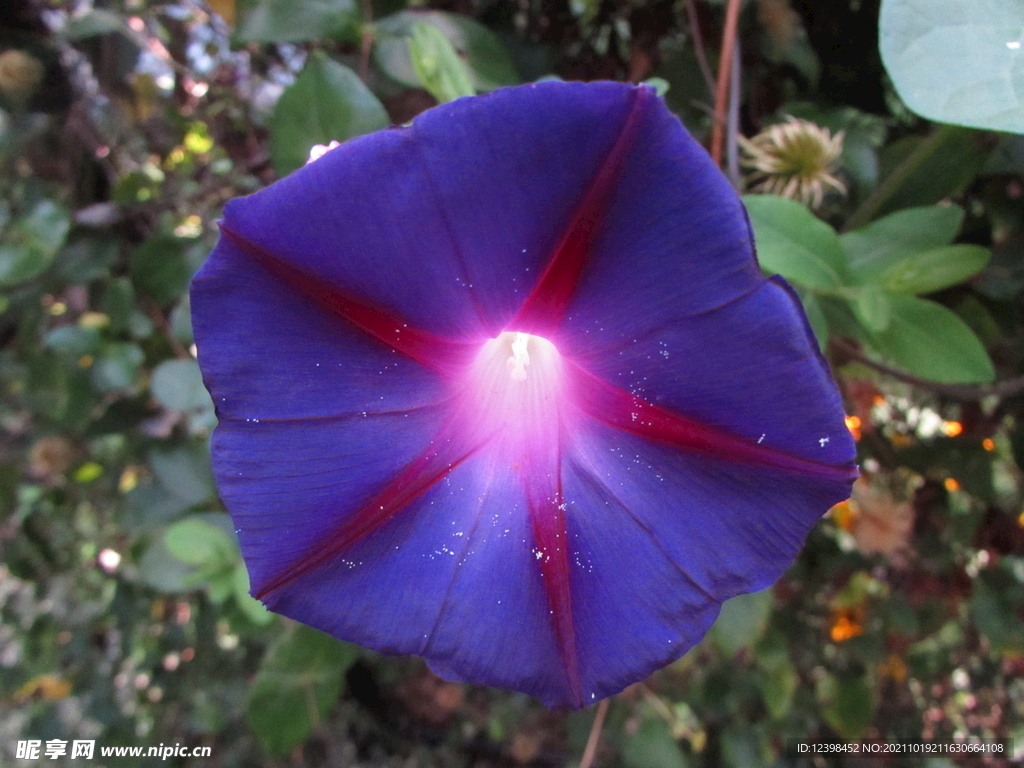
x=698 y=45
x=365 y=39
x=732 y=154
x=732 y=19
x=156 y=314
x=1004 y=388
x=595 y=735
x=892 y=183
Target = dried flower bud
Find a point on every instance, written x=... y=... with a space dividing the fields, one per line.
x=794 y=159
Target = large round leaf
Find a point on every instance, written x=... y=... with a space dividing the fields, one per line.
x=957 y=62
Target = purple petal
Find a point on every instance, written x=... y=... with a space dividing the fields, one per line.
x=446 y=224
x=453 y=579
x=660 y=538
x=750 y=370
x=268 y=351
x=673 y=242
x=290 y=484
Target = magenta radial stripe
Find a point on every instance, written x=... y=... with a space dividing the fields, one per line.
x=547 y=515
x=546 y=303
x=443 y=454
x=618 y=408
x=439 y=354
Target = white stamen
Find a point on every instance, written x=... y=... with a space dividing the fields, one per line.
x=520 y=357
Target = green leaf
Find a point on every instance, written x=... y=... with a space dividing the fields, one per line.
x=816 y=317
x=935 y=269
x=295 y=21
x=743 y=745
x=181 y=321
x=659 y=84
x=778 y=686
x=88 y=472
x=178 y=385
x=872 y=307
x=924 y=170
x=875 y=248
x=327 y=102
x=652 y=746
x=85 y=258
x=218 y=582
x=74 y=340
x=777 y=678
x=185 y=472
x=484 y=54
x=119 y=303
x=980 y=320
x=298 y=683
x=437 y=64
x=152 y=504
x=848 y=705
x=957 y=62
x=742 y=621
x=95 y=22
x=198 y=542
x=160 y=268
x=995 y=614
x=29 y=246
x=46 y=226
x=163 y=571
x=253 y=609
x=117 y=367
x=795 y=244
x=928 y=340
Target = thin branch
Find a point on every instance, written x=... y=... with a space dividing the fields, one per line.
x=365 y=39
x=155 y=313
x=698 y=45
x=659 y=706
x=1004 y=388
x=595 y=735
x=732 y=19
x=892 y=183
x=732 y=154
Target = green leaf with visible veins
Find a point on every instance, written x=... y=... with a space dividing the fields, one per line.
x=328 y=102
x=873 y=249
x=930 y=341
x=794 y=243
x=957 y=62
x=298 y=683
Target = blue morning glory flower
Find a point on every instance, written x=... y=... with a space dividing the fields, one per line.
x=507 y=390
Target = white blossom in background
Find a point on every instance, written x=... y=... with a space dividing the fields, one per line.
x=319 y=150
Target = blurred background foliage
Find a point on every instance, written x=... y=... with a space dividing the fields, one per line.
x=124 y=615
